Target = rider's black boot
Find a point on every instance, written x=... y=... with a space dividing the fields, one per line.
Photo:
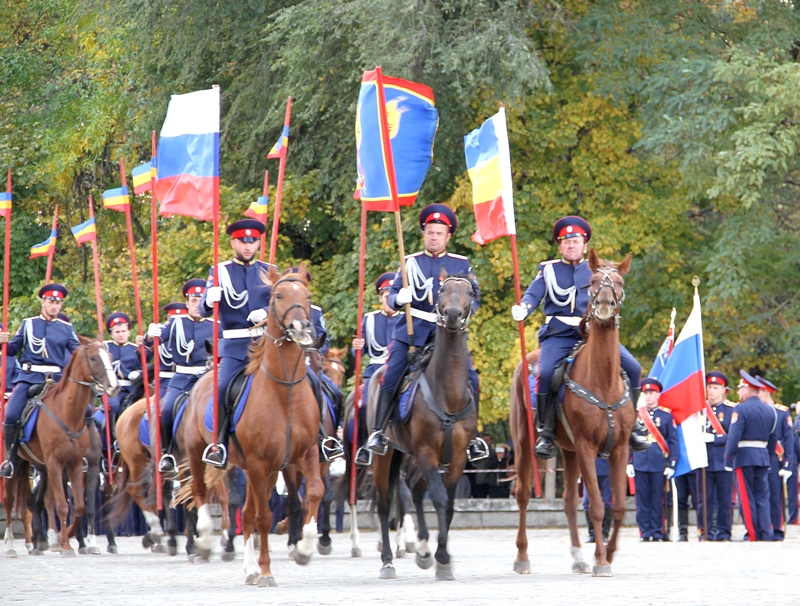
x=167 y=464
x=10 y=433
x=589 y=527
x=477 y=449
x=217 y=454
x=545 y=426
x=637 y=442
x=377 y=442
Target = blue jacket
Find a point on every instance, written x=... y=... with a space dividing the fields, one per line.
x=786 y=438
x=244 y=291
x=423 y=277
x=653 y=458
x=42 y=343
x=754 y=421
x=185 y=339
x=376 y=329
x=125 y=359
x=318 y=320
x=566 y=276
x=716 y=450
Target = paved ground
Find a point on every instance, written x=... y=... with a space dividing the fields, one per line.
x=645 y=573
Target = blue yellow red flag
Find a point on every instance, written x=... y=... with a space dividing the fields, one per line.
x=43 y=249
x=258 y=209
x=117 y=199
x=85 y=232
x=142 y=177
x=412 y=118
x=281 y=146
x=5 y=204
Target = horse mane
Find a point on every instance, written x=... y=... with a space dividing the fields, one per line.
x=56 y=390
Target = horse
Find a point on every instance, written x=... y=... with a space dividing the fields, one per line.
x=278 y=431
x=333 y=365
x=596 y=418
x=60 y=438
x=443 y=421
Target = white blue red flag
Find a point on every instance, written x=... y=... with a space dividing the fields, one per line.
x=666 y=349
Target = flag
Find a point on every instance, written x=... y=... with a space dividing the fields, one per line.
x=142 y=175
x=684 y=391
x=258 y=209
x=412 y=118
x=281 y=146
x=85 y=232
x=666 y=349
x=489 y=169
x=117 y=199
x=5 y=204
x=187 y=162
x=43 y=249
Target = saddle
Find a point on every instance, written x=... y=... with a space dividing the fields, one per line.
x=36 y=394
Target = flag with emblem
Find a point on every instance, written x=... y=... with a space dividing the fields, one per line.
x=117 y=199
x=489 y=169
x=412 y=119
x=43 y=249
x=142 y=177
x=5 y=204
x=258 y=209
x=85 y=232
x=281 y=146
x=187 y=160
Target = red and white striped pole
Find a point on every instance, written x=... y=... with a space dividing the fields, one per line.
x=4 y=355
x=273 y=244
x=50 y=255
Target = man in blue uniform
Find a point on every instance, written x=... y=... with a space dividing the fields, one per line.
x=166 y=364
x=185 y=337
x=125 y=358
x=650 y=467
x=46 y=344
x=718 y=481
x=781 y=463
x=376 y=330
x=438 y=224
x=562 y=287
x=10 y=368
x=792 y=484
x=243 y=299
x=751 y=441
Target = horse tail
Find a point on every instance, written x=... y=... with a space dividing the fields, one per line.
x=21 y=487
x=212 y=477
x=120 y=503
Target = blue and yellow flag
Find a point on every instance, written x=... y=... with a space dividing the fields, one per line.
x=85 y=232
x=117 y=199
x=258 y=209
x=142 y=177
x=43 y=249
x=279 y=149
x=412 y=119
x=5 y=204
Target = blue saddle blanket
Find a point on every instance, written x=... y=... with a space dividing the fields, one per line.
x=27 y=431
x=331 y=408
x=406 y=402
x=144 y=432
x=208 y=419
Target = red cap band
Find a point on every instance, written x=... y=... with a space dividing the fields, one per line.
x=52 y=294
x=440 y=217
x=118 y=320
x=245 y=233
x=572 y=230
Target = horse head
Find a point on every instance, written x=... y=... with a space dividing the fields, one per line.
x=606 y=289
x=455 y=302
x=290 y=306
x=97 y=362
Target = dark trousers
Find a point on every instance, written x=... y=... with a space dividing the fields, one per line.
x=791 y=487
x=718 y=497
x=649 y=504
x=754 y=499
x=776 y=503
x=397 y=362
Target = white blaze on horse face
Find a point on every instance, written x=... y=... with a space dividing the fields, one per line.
x=106 y=358
x=295 y=287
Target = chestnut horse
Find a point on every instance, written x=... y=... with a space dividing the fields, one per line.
x=60 y=438
x=596 y=407
x=446 y=401
x=278 y=431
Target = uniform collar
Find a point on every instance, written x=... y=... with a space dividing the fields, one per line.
x=392 y=315
x=239 y=262
x=46 y=320
x=430 y=254
x=565 y=262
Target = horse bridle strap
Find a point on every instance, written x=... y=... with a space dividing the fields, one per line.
x=590 y=397
x=440 y=317
x=97 y=386
x=73 y=437
x=448 y=419
x=606 y=281
x=280 y=318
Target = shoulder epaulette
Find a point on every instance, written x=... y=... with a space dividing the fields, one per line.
x=550 y=262
x=781 y=407
x=63 y=321
x=31 y=318
x=662 y=409
x=455 y=256
x=228 y=262
x=317 y=307
x=416 y=254
x=372 y=313
x=729 y=403
x=108 y=341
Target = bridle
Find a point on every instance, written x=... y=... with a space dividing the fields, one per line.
x=96 y=385
x=606 y=281
x=440 y=319
x=280 y=318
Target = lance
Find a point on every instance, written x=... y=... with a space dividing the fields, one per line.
x=273 y=244
x=5 y=211
x=264 y=235
x=52 y=253
x=156 y=340
x=139 y=322
x=359 y=335
x=100 y=330
x=395 y=201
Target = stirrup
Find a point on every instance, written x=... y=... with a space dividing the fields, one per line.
x=377 y=443
x=363 y=457
x=115 y=446
x=167 y=464
x=478 y=449
x=85 y=465
x=7 y=469
x=331 y=448
x=103 y=465
x=216 y=455
x=545 y=447
x=637 y=443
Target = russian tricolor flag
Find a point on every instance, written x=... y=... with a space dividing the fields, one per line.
x=684 y=391
x=187 y=162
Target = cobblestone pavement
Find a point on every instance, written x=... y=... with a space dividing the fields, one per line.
x=645 y=573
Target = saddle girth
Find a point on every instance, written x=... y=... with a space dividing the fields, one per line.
x=447 y=419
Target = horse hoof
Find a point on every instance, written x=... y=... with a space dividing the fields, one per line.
x=83 y=550
x=55 y=547
x=444 y=572
x=387 y=572
x=301 y=559
x=36 y=552
x=324 y=549
x=602 y=571
x=522 y=567
x=200 y=559
x=147 y=541
x=424 y=561
x=68 y=553
x=355 y=552
x=582 y=568
x=94 y=551
x=251 y=579
x=172 y=549
x=228 y=556
x=191 y=557
x=411 y=547
x=204 y=553
x=292 y=552
x=10 y=553
x=158 y=548
x=112 y=549
x=400 y=554
x=267 y=582
x=43 y=546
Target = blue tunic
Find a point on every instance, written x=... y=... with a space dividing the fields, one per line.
x=376 y=329
x=125 y=360
x=653 y=459
x=716 y=450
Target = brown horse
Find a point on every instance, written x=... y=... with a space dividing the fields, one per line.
x=333 y=366
x=60 y=437
x=278 y=431
x=588 y=426
x=449 y=403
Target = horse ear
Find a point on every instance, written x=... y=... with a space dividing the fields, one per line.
x=84 y=340
x=594 y=260
x=320 y=341
x=625 y=266
x=443 y=274
x=273 y=275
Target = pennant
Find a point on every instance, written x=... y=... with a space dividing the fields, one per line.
x=142 y=177
x=412 y=118
x=281 y=146
x=258 y=209
x=117 y=199
x=85 y=232
x=43 y=249
x=5 y=204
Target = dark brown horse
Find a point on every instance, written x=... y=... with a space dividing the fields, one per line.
x=60 y=439
x=584 y=427
x=449 y=402
x=277 y=432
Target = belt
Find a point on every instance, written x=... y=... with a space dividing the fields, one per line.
x=428 y=316
x=124 y=383
x=570 y=320
x=40 y=368
x=752 y=444
x=243 y=333
x=189 y=370
x=381 y=360
x=166 y=375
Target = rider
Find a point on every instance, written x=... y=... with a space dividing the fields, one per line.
x=243 y=298
x=185 y=337
x=438 y=224
x=125 y=358
x=562 y=286
x=46 y=343
x=376 y=329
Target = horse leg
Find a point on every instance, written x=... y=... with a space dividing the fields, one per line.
x=424 y=558
x=191 y=530
x=8 y=507
x=228 y=551
x=571 y=474
x=522 y=495
x=324 y=542
x=170 y=523
x=92 y=484
x=106 y=508
x=619 y=459
x=205 y=525
x=260 y=485
x=78 y=496
x=409 y=536
x=384 y=467
x=251 y=567
x=36 y=508
x=438 y=494
x=309 y=467
x=55 y=486
x=586 y=458
x=294 y=510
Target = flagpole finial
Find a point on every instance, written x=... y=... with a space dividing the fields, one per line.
x=695 y=283
x=672 y=316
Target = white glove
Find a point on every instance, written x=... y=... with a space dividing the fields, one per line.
x=629 y=471
x=785 y=474
x=257 y=315
x=519 y=313
x=708 y=438
x=154 y=330
x=134 y=374
x=404 y=296
x=728 y=468
x=213 y=295
x=669 y=472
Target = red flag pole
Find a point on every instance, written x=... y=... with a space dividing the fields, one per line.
x=100 y=330
x=52 y=253
x=359 y=335
x=264 y=235
x=4 y=355
x=273 y=244
x=156 y=340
